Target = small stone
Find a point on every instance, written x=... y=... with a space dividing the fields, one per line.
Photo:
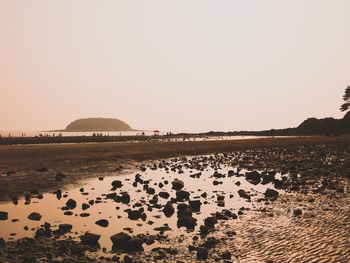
x=102 y=223
x=3 y=215
x=297 y=212
x=35 y=216
x=164 y=195
x=84 y=215
x=71 y=204
x=85 y=206
x=226 y=255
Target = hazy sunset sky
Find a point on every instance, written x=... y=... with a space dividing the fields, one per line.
x=180 y=65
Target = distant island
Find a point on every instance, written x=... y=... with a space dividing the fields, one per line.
x=98 y=125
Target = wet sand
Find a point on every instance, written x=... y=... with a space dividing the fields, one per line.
x=306 y=218
x=33 y=167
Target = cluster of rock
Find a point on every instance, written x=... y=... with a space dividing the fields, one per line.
x=182 y=203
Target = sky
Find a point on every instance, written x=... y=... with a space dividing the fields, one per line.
x=184 y=65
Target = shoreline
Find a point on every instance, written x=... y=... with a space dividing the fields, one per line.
x=310 y=209
x=34 y=167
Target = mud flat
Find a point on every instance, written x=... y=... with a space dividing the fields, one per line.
x=34 y=167
x=267 y=203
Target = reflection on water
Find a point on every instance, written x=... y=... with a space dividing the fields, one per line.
x=50 y=207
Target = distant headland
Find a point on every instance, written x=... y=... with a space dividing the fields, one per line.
x=98 y=125
x=311 y=126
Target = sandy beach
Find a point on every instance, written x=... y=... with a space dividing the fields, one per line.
x=261 y=200
x=80 y=161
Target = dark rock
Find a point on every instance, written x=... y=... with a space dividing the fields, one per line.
x=226 y=255
x=58 y=194
x=184 y=210
x=297 y=212
x=202 y=253
x=278 y=184
x=210 y=222
x=177 y=184
x=150 y=191
x=68 y=213
x=268 y=178
x=42 y=232
x=63 y=229
x=253 y=177
x=84 y=215
x=215 y=182
x=195 y=205
x=90 y=239
x=2 y=243
x=124 y=198
x=182 y=195
x=125 y=242
x=168 y=209
x=230 y=173
x=134 y=214
x=35 y=216
x=102 y=223
x=71 y=204
x=204 y=195
x=111 y=195
x=187 y=221
x=164 y=195
x=85 y=206
x=271 y=194
x=203 y=230
x=3 y=215
x=211 y=242
x=117 y=184
x=242 y=193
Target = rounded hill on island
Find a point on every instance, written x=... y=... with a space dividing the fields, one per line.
x=97 y=125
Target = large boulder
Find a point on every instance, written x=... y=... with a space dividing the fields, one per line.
x=90 y=239
x=125 y=242
x=168 y=209
x=253 y=177
x=182 y=195
x=177 y=184
x=271 y=194
x=117 y=184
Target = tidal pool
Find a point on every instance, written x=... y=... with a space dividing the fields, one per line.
x=215 y=187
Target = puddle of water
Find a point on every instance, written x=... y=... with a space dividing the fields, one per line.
x=50 y=207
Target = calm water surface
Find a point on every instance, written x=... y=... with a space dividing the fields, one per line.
x=50 y=206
